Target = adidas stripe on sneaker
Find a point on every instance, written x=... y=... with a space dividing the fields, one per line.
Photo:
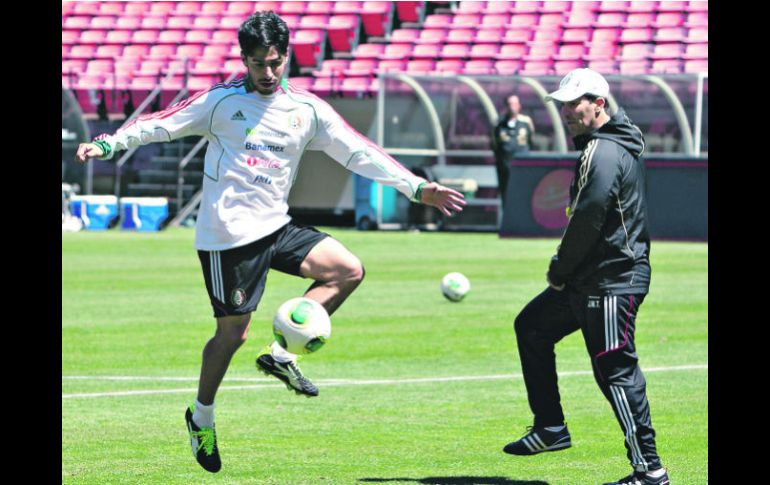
x=538 y=440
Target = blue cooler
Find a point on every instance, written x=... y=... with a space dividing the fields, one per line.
x=96 y=211
x=143 y=213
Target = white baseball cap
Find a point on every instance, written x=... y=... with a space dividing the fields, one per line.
x=579 y=82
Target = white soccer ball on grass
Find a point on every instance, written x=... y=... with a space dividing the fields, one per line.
x=301 y=326
x=455 y=286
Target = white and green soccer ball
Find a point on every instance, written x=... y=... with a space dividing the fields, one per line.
x=301 y=326
x=455 y=286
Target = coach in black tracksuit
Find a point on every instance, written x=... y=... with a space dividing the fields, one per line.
x=597 y=281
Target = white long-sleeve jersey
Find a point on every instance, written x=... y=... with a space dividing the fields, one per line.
x=255 y=143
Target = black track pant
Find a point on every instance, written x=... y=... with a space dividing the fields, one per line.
x=607 y=323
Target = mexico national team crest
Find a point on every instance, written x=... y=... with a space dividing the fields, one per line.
x=295 y=121
x=237 y=297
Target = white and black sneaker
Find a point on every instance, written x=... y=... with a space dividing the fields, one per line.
x=538 y=440
x=642 y=478
x=289 y=373
x=204 y=444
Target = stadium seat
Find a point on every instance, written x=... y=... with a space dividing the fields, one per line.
x=666 y=66
x=427 y=51
x=541 y=52
x=697 y=6
x=297 y=8
x=308 y=47
x=605 y=36
x=420 y=66
x=610 y=19
x=111 y=8
x=197 y=37
x=392 y=65
x=512 y=51
x=484 y=51
x=150 y=67
x=537 y=68
x=204 y=22
x=634 y=67
x=466 y=21
x=450 y=66
x=437 y=21
x=639 y=19
x=102 y=22
x=546 y=36
x=493 y=20
x=642 y=6
x=348 y=7
x=319 y=8
x=404 y=36
x=213 y=8
x=696 y=65
x=244 y=9
x=558 y=6
x=153 y=23
x=669 y=34
x=377 y=18
x=697 y=19
x=635 y=52
x=630 y=35
x=85 y=8
x=128 y=23
x=201 y=82
x=368 y=51
x=74 y=65
x=604 y=66
x=226 y=37
x=517 y=36
x=313 y=21
x=92 y=36
x=601 y=52
x=361 y=67
x=576 y=35
x=205 y=67
x=460 y=36
x=82 y=51
x=570 y=52
x=230 y=22
x=292 y=20
x=108 y=51
x=523 y=6
x=672 y=6
x=492 y=36
x=431 y=36
x=551 y=20
x=698 y=34
x=669 y=19
x=180 y=22
x=215 y=52
x=190 y=51
x=343 y=32
x=70 y=37
x=580 y=18
x=479 y=67
x=134 y=9
x=508 y=66
x=126 y=67
x=613 y=6
x=671 y=50
x=455 y=51
x=358 y=87
x=302 y=82
x=561 y=68
x=232 y=65
x=696 y=51
x=397 y=51
x=136 y=51
x=409 y=11
x=187 y=8
x=162 y=51
x=162 y=9
x=332 y=68
x=170 y=37
x=524 y=20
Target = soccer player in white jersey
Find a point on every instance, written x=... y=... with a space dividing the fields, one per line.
x=257 y=129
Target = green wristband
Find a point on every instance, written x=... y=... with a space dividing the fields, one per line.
x=106 y=148
x=418 y=192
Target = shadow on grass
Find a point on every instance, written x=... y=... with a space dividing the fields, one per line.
x=457 y=481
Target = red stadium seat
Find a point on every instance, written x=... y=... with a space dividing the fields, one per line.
x=85 y=8
x=613 y=6
x=153 y=23
x=343 y=31
x=368 y=51
x=462 y=36
x=497 y=6
x=205 y=66
x=135 y=9
x=213 y=8
x=695 y=66
x=466 y=20
x=697 y=6
x=431 y=36
x=230 y=22
x=635 y=51
x=391 y=65
x=633 y=67
x=581 y=18
x=302 y=82
x=226 y=37
x=150 y=67
x=292 y=20
x=672 y=50
x=601 y=52
x=605 y=36
x=332 y=68
x=559 y=6
x=672 y=6
x=201 y=81
x=215 y=52
x=244 y=9
x=358 y=87
x=111 y=8
x=547 y=36
x=100 y=66
x=427 y=51
x=74 y=65
x=517 y=36
x=308 y=47
x=324 y=86
x=508 y=66
x=70 y=37
x=396 y=51
x=670 y=34
x=696 y=51
x=471 y=7
x=484 y=51
x=541 y=52
x=410 y=11
x=126 y=67
x=610 y=19
x=697 y=19
x=669 y=19
x=190 y=51
x=537 y=68
x=162 y=9
x=551 y=20
x=640 y=19
x=297 y=8
x=162 y=51
x=698 y=34
x=377 y=18
x=231 y=66
x=604 y=66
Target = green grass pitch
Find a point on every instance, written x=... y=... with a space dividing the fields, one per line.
x=414 y=389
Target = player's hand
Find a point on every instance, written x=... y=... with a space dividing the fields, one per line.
x=446 y=200
x=86 y=151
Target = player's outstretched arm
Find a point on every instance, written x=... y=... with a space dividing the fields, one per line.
x=87 y=151
x=446 y=200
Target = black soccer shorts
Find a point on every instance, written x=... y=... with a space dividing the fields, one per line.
x=235 y=278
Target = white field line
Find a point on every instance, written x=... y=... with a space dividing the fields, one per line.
x=268 y=383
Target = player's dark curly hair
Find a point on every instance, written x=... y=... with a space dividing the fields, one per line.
x=264 y=29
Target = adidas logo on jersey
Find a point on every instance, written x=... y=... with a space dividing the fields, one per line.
x=238 y=116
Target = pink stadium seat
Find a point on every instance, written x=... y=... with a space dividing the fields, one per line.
x=153 y=23
x=397 y=51
x=200 y=82
x=144 y=83
x=150 y=67
x=65 y=50
x=332 y=68
x=497 y=7
x=227 y=37
x=343 y=32
x=163 y=9
x=672 y=50
x=559 y=6
x=232 y=65
x=190 y=51
x=698 y=34
x=171 y=37
x=672 y=6
x=455 y=51
x=635 y=51
x=638 y=6
x=633 y=67
x=162 y=51
x=479 y=67
x=697 y=19
x=551 y=20
x=85 y=8
x=313 y=21
x=696 y=66
x=89 y=81
x=610 y=19
x=376 y=17
x=73 y=65
x=135 y=9
x=348 y=7
x=307 y=45
x=508 y=66
x=640 y=19
x=187 y=8
x=429 y=51
x=244 y=9
x=213 y=8
x=358 y=87
x=230 y=22
x=292 y=7
x=576 y=35
x=391 y=66
x=570 y=52
x=197 y=37
x=613 y=6
x=450 y=66
x=319 y=8
x=484 y=51
x=591 y=6
x=431 y=36
x=669 y=19
x=66 y=8
x=128 y=23
x=537 y=68
x=697 y=6
x=604 y=67
x=541 y=52
x=108 y=51
x=461 y=36
x=111 y=8
x=101 y=66
x=466 y=20
x=669 y=34
x=517 y=36
x=601 y=52
x=512 y=51
x=234 y=51
x=437 y=21
x=70 y=37
x=136 y=51
x=636 y=35
x=605 y=36
x=324 y=86
x=215 y=51
x=92 y=36
x=292 y=20
x=404 y=36
x=205 y=66
x=204 y=22
x=560 y=68
x=547 y=36
x=580 y=18
x=302 y=82
x=666 y=66
x=180 y=22
x=126 y=67
x=525 y=6
x=361 y=67
x=492 y=36
x=696 y=51
x=103 y=22
x=76 y=23
x=409 y=11
x=524 y=20
x=471 y=7
x=420 y=66
x=368 y=51
x=492 y=20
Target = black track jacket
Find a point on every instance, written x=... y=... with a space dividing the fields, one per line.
x=606 y=245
